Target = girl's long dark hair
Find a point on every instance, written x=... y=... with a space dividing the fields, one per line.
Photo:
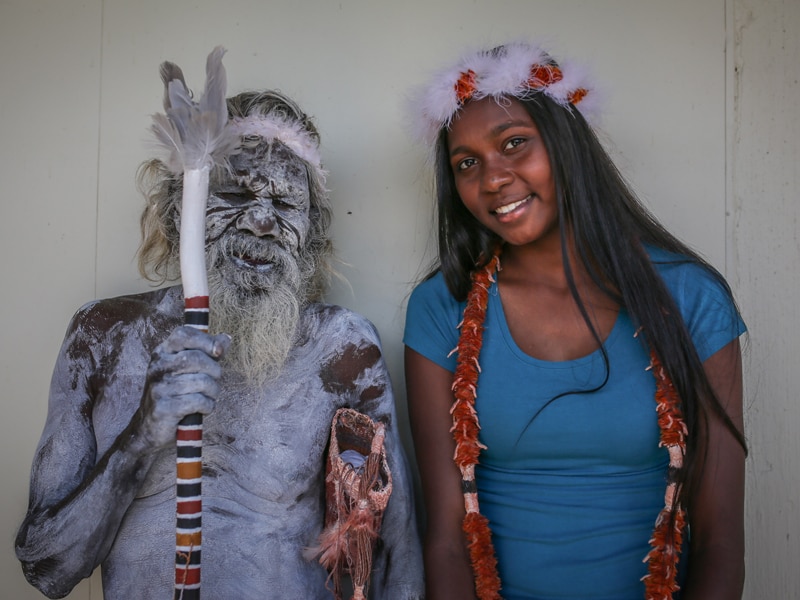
x=610 y=227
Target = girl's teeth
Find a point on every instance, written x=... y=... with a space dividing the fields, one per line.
x=509 y=207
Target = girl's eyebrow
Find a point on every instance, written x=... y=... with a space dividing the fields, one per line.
x=509 y=124
x=495 y=131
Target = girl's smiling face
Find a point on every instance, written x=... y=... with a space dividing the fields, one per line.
x=502 y=171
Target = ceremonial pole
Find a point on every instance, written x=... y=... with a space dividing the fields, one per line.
x=189 y=437
x=196 y=138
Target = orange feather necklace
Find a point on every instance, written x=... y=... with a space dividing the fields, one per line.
x=660 y=581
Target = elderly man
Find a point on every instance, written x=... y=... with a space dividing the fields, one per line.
x=103 y=479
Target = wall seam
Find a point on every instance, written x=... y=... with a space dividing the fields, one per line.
x=729 y=215
x=98 y=155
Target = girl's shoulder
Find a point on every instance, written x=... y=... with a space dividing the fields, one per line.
x=433 y=296
x=680 y=271
x=703 y=298
x=434 y=285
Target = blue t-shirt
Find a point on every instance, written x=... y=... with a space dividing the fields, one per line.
x=572 y=495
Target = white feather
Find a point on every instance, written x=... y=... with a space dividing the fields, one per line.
x=194 y=134
x=498 y=72
x=196 y=137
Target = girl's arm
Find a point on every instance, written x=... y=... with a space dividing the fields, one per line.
x=716 y=563
x=448 y=574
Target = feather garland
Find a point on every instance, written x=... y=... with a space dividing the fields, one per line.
x=466 y=428
x=667 y=539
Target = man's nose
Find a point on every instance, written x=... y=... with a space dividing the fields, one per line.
x=259 y=220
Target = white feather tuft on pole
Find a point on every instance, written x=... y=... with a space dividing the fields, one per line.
x=196 y=138
x=194 y=134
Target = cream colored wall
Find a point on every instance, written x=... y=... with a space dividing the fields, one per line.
x=79 y=81
x=765 y=248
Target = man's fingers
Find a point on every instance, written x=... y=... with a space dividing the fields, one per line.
x=177 y=407
x=221 y=343
x=174 y=385
x=189 y=338
x=185 y=362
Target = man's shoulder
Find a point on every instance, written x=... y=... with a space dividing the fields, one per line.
x=336 y=320
x=107 y=313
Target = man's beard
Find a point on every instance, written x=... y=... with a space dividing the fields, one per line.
x=258 y=309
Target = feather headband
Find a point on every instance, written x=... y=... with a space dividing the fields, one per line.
x=290 y=133
x=517 y=69
x=198 y=134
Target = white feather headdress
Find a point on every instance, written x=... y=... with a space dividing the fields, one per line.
x=290 y=133
x=518 y=69
x=198 y=135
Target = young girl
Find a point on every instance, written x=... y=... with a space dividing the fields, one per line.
x=573 y=370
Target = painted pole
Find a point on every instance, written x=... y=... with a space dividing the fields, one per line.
x=196 y=137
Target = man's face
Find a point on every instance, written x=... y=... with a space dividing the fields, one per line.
x=258 y=218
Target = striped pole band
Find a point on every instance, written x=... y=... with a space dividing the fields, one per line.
x=188 y=528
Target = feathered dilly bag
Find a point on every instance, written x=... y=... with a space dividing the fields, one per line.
x=358 y=485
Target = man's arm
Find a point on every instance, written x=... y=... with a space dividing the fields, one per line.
x=397 y=567
x=399 y=571
x=77 y=502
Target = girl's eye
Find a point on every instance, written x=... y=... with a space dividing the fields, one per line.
x=465 y=164
x=514 y=142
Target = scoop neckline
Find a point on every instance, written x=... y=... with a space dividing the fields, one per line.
x=496 y=305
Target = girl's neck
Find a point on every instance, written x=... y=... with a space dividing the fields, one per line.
x=544 y=317
x=542 y=263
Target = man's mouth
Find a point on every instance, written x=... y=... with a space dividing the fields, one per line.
x=507 y=208
x=247 y=261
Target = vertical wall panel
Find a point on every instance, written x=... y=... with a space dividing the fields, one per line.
x=766 y=239
x=49 y=107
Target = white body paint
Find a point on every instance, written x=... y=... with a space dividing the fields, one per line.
x=101 y=495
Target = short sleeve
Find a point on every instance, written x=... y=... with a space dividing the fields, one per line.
x=706 y=306
x=432 y=319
